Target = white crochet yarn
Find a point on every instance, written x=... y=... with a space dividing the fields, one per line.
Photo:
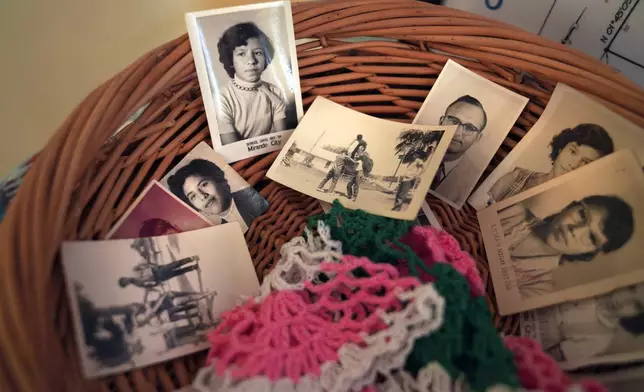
x=357 y=366
x=300 y=260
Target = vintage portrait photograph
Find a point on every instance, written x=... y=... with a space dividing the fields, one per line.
x=599 y=330
x=380 y=166
x=573 y=131
x=483 y=112
x=157 y=212
x=247 y=67
x=140 y=301
x=575 y=237
x=205 y=182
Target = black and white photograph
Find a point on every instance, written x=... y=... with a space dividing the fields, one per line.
x=140 y=301
x=247 y=68
x=380 y=166
x=574 y=237
x=483 y=112
x=205 y=182
x=573 y=131
x=599 y=330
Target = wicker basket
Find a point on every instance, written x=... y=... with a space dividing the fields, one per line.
x=79 y=185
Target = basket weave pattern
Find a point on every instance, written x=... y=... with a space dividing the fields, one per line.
x=79 y=185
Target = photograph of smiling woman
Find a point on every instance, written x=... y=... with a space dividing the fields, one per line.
x=204 y=181
x=570 y=149
x=574 y=130
x=246 y=63
x=203 y=185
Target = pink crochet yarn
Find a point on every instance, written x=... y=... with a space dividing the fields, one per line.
x=537 y=370
x=356 y=299
x=292 y=333
x=433 y=246
x=280 y=337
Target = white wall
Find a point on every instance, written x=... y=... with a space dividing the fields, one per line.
x=55 y=52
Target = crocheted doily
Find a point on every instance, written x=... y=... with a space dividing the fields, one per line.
x=300 y=259
x=467 y=343
x=434 y=246
x=351 y=325
x=361 y=322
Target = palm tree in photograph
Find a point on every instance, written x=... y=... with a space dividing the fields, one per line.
x=414 y=144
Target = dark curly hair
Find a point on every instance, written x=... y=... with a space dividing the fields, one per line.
x=200 y=167
x=591 y=135
x=238 y=35
x=618 y=227
x=156 y=227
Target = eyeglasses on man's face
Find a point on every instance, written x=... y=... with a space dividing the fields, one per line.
x=468 y=128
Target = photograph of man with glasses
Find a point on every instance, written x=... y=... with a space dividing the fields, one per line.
x=468 y=114
x=483 y=112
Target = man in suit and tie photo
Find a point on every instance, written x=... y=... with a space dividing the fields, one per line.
x=468 y=114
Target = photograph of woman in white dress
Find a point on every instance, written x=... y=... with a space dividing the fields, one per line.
x=576 y=234
x=249 y=107
x=570 y=149
x=602 y=326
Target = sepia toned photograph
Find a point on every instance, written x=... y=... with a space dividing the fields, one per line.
x=247 y=68
x=573 y=131
x=574 y=237
x=157 y=212
x=483 y=113
x=140 y=301
x=600 y=330
x=380 y=166
x=205 y=182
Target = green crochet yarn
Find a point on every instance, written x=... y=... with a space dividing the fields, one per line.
x=467 y=343
x=364 y=234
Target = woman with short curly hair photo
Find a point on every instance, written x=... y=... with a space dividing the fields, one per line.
x=570 y=149
x=249 y=107
x=204 y=186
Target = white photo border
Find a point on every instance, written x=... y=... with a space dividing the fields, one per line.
x=508 y=299
x=274 y=141
x=451 y=64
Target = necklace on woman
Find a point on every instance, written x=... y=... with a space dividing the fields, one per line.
x=254 y=88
